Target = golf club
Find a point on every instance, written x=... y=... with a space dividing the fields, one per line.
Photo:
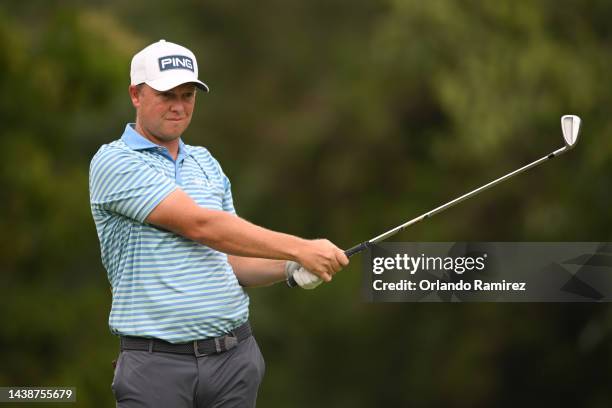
x=570 y=126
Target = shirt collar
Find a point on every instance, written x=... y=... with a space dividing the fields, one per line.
x=136 y=141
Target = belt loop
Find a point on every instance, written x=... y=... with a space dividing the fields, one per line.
x=150 y=345
x=218 y=347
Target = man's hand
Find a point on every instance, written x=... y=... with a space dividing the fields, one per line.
x=302 y=277
x=322 y=258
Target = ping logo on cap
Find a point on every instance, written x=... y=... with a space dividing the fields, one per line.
x=175 y=62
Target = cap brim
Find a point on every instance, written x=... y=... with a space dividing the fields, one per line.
x=165 y=84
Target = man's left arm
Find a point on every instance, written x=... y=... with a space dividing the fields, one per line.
x=257 y=271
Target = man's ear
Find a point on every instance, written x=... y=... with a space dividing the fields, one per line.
x=134 y=95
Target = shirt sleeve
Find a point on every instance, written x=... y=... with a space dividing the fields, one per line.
x=228 y=201
x=123 y=183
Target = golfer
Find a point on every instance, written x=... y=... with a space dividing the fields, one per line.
x=178 y=256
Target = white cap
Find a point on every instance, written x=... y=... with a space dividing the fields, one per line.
x=164 y=65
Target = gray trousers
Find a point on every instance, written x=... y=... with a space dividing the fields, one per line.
x=228 y=379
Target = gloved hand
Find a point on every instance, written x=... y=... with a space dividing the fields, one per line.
x=304 y=278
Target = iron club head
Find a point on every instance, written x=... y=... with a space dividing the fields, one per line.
x=570 y=125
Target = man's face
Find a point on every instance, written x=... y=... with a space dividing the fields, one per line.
x=163 y=115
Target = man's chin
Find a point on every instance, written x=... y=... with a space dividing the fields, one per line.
x=171 y=134
x=174 y=129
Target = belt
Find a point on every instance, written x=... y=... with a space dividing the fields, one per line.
x=197 y=348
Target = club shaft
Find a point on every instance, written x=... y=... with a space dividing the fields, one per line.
x=365 y=245
x=358 y=248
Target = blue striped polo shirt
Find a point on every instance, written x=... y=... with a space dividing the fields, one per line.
x=164 y=286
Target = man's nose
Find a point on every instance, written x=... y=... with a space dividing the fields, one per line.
x=177 y=106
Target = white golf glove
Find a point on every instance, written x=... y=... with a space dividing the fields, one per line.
x=304 y=278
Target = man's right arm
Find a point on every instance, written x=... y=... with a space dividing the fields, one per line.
x=233 y=235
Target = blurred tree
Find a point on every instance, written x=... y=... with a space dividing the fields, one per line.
x=337 y=119
x=59 y=79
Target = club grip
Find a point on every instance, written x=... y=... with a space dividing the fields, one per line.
x=349 y=252
x=357 y=249
x=291 y=282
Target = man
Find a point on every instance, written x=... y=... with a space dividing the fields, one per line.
x=176 y=254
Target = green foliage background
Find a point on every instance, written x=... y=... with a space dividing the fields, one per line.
x=336 y=119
